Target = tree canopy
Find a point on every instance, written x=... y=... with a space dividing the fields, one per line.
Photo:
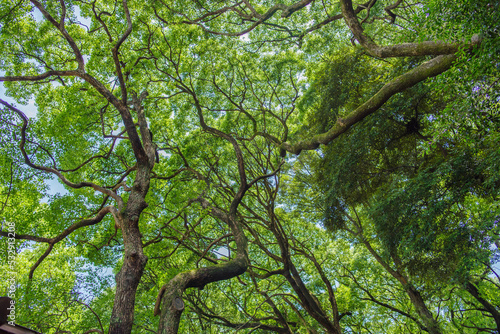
x=251 y=166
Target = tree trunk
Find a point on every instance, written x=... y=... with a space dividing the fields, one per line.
x=134 y=260
x=309 y=301
x=173 y=305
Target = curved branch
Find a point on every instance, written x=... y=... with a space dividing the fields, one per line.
x=86 y=222
x=286 y=11
x=52 y=241
x=10 y=188
x=122 y=108
x=106 y=93
x=239 y=154
x=265 y=176
x=26 y=237
x=426 y=70
x=222 y=321
x=98 y=319
x=330 y=19
x=474 y=291
x=171 y=293
x=427 y=48
x=214 y=242
x=177 y=172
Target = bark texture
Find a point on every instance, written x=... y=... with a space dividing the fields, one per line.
x=134 y=260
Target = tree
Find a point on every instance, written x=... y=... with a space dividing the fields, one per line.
x=176 y=130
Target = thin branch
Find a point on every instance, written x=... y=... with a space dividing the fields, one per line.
x=62 y=29
x=54 y=171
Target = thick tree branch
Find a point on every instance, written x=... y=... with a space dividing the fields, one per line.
x=128 y=121
x=330 y=19
x=82 y=223
x=124 y=111
x=255 y=17
x=400 y=50
x=171 y=293
x=426 y=70
x=40 y=260
x=62 y=29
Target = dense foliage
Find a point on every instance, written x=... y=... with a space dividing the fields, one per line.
x=251 y=167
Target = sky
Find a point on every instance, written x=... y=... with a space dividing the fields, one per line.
x=55 y=186
x=30 y=110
